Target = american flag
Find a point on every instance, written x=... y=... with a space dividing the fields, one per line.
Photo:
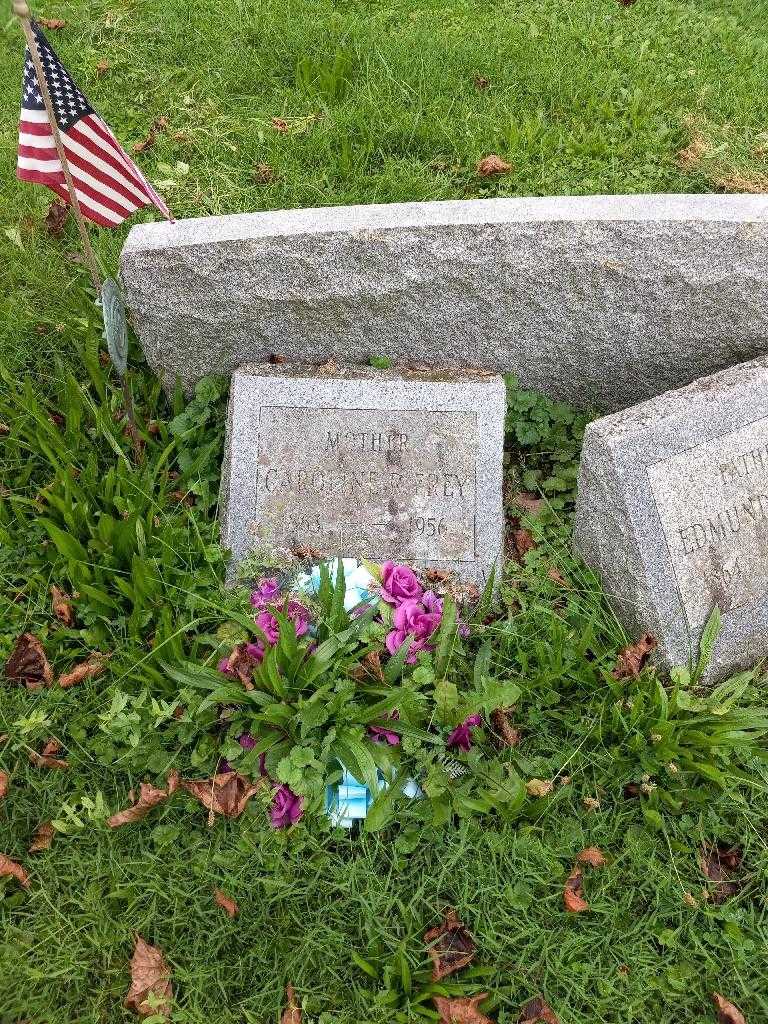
x=108 y=184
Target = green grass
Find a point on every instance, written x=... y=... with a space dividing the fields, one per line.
x=583 y=97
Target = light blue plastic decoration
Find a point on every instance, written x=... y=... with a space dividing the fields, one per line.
x=349 y=801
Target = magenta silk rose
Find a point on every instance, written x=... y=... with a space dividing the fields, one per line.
x=412 y=619
x=287 y=808
x=399 y=583
x=461 y=737
x=380 y=733
x=266 y=591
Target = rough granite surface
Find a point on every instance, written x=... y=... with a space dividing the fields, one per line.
x=672 y=513
x=365 y=463
x=597 y=300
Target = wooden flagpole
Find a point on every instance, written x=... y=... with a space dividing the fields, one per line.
x=23 y=13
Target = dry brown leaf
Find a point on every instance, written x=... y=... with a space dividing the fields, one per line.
x=4 y=784
x=593 y=856
x=292 y=1012
x=43 y=838
x=450 y=945
x=719 y=862
x=627 y=3
x=92 y=667
x=632 y=660
x=573 y=893
x=61 y=604
x=521 y=542
x=528 y=502
x=56 y=219
x=10 y=868
x=539 y=787
x=226 y=902
x=150 y=976
x=307 y=554
x=537 y=1011
x=557 y=577
x=461 y=1010
x=279 y=124
x=149 y=797
x=506 y=734
x=727 y=1013
x=158 y=125
x=369 y=668
x=226 y=793
x=480 y=82
x=102 y=68
x=491 y=165
x=47 y=758
x=28 y=664
x=263 y=174
x=52 y=23
x=241 y=664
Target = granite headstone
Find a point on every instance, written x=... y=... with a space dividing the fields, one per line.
x=365 y=463
x=600 y=301
x=672 y=513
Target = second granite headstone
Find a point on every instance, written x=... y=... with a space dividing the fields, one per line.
x=673 y=514
x=365 y=463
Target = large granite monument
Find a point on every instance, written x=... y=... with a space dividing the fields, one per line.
x=601 y=301
x=367 y=463
x=673 y=514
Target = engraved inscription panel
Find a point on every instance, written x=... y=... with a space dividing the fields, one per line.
x=367 y=483
x=713 y=505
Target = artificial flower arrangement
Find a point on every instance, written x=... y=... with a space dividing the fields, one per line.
x=348 y=700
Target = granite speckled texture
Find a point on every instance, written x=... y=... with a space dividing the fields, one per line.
x=597 y=300
x=672 y=513
x=365 y=463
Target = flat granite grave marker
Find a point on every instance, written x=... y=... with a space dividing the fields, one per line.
x=672 y=513
x=365 y=463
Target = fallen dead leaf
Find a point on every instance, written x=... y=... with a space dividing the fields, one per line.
x=56 y=219
x=506 y=734
x=92 y=667
x=632 y=660
x=292 y=1012
x=719 y=862
x=263 y=174
x=593 y=856
x=149 y=797
x=461 y=1010
x=4 y=784
x=102 y=68
x=727 y=1013
x=11 y=869
x=52 y=23
x=528 y=502
x=480 y=82
x=539 y=787
x=226 y=902
x=158 y=125
x=185 y=498
x=557 y=577
x=280 y=124
x=369 y=668
x=521 y=542
x=307 y=554
x=450 y=945
x=28 y=664
x=150 y=977
x=43 y=838
x=573 y=893
x=537 y=1011
x=491 y=165
x=62 y=607
x=242 y=665
x=627 y=3
x=47 y=758
x=226 y=793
